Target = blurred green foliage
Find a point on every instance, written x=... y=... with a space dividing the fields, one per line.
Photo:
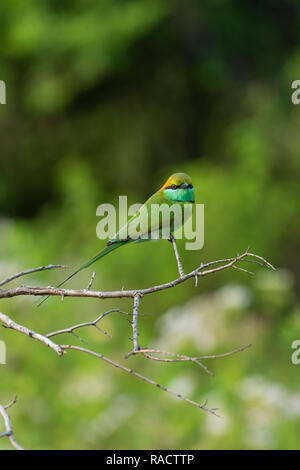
x=109 y=97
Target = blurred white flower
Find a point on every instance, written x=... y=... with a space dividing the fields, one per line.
x=234 y=296
x=217 y=427
x=183 y=384
x=84 y=388
x=267 y=403
x=201 y=320
x=109 y=420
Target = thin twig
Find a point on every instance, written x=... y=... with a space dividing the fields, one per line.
x=134 y=324
x=91 y=281
x=12 y=402
x=90 y=323
x=141 y=377
x=136 y=305
x=184 y=357
x=217 y=356
x=7 y=423
x=148 y=353
x=179 y=263
x=187 y=358
x=29 y=271
x=243 y=269
x=9 y=323
x=269 y=265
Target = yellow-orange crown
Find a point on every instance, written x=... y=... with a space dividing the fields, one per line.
x=177 y=179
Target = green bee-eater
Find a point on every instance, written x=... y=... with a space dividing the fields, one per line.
x=178 y=190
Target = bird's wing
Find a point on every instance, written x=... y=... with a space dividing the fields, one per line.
x=142 y=225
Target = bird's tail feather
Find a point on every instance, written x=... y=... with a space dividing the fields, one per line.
x=102 y=253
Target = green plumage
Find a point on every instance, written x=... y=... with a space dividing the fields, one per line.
x=177 y=190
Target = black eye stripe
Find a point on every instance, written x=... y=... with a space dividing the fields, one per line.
x=174 y=186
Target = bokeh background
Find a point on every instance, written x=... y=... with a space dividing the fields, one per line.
x=107 y=98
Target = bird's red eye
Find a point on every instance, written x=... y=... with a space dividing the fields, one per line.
x=173 y=186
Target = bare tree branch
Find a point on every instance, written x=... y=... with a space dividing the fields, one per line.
x=91 y=323
x=179 y=264
x=136 y=295
x=29 y=271
x=9 y=323
x=7 y=423
x=198 y=272
x=183 y=357
x=141 y=377
x=134 y=325
x=91 y=281
x=62 y=348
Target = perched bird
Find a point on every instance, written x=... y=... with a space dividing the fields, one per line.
x=178 y=190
